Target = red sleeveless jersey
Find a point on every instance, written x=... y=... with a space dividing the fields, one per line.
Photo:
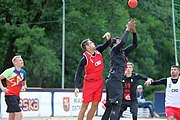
x=95 y=66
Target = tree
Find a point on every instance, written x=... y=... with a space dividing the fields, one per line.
x=34 y=30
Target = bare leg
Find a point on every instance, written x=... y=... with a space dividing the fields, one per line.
x=11 y=116
x=18 y=115
x=82 y=111
x=93 y=109
x=170 y=118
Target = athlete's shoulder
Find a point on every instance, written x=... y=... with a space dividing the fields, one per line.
x=8 y=72
x=86 y=54
x=23 y=71
x=135 y=74
x=10 y=69
x=97 y=52
x=23 y=74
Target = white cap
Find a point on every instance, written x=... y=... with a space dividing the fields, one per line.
x=139 y=86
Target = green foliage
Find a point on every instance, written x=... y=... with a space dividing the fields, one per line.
x=34 y=30
x=41 y=62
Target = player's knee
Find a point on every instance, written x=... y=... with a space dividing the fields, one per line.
x=114 y=115
x=18 y=115
x=84 y=107
x=107 y=104
x=94 y=105
x=11 y=116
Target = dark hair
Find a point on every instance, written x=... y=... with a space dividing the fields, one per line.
x=84 y=43
x=175 y=66
x=113 y=41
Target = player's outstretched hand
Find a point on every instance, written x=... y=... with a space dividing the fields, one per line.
x=133 y=27
x=107 y=35
x=130 y=24
x=23 y=89
x=148 y=82
x=76 y=92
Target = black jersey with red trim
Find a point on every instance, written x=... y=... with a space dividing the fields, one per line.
x=130 y=84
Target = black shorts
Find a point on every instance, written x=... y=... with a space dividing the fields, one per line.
x=132 y=104
x=115 y=91
x=12 y=103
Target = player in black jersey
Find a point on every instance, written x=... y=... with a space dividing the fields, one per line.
x=130 y=83
x=114 y=87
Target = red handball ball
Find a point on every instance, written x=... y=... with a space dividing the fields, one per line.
x=132 y=3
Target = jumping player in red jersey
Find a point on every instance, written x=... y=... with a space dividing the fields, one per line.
x=172 y=102
x=16 y=82
x=92 y=62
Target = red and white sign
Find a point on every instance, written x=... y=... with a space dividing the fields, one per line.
x=66 y=103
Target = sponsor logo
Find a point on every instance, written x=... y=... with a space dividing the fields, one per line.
x=97 y=63
x=15 y=80
x=174 y=90
x=66 y=103
x=29 y=104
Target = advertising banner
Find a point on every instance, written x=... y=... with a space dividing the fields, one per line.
x=66 y=104
x=31 y=103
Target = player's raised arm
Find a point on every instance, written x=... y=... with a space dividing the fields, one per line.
x=105 y=45
x=134 y=45
x=125 y=36
x=107 y=35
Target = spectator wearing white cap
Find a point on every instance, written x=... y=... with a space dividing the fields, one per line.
x=142 y=103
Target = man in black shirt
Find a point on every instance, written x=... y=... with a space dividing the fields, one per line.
x=130 y=82
x=118 y=59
